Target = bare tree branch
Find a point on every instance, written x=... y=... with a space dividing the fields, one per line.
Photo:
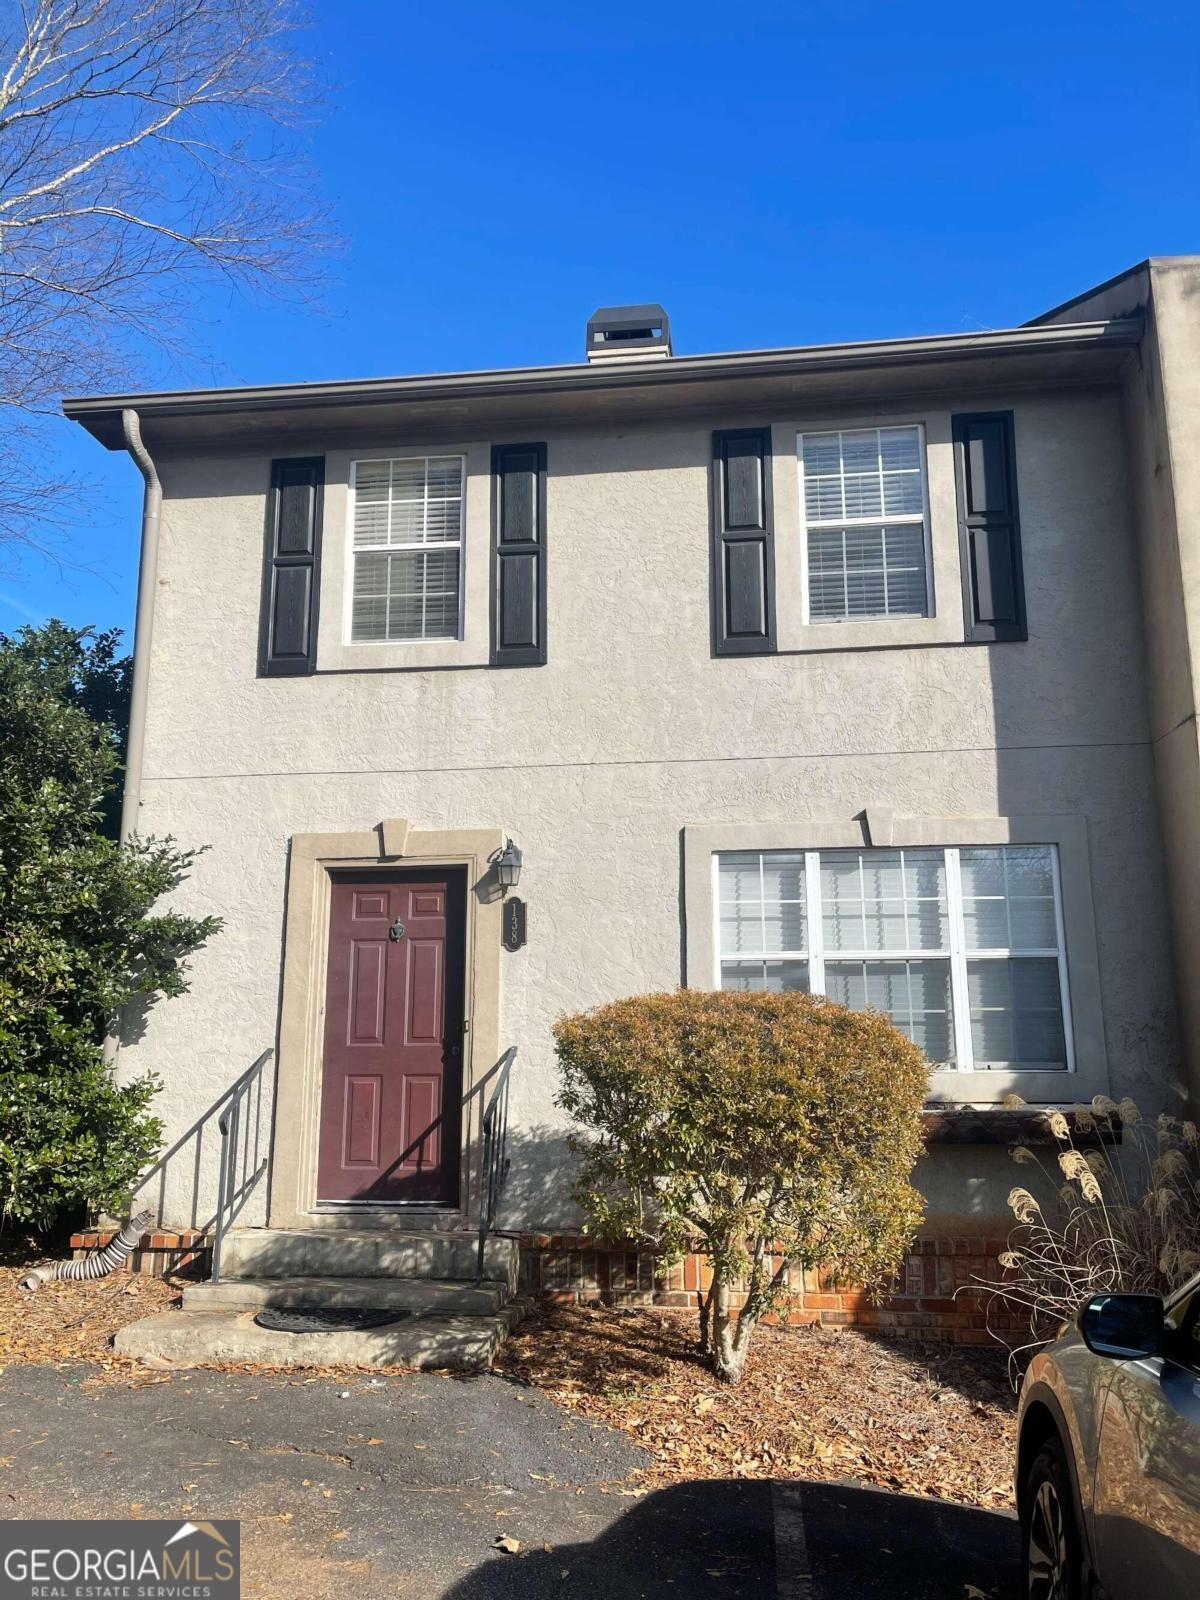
x=141 y=142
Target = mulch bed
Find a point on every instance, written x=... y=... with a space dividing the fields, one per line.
x=67 y=1321
x=814 y=1403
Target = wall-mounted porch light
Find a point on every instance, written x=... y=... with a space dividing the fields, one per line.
x=508 y=866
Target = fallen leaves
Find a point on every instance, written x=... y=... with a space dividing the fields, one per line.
x=67 y=1321
x=506 y=1542
x=930 y=1419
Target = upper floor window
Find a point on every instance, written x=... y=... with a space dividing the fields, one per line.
x=962 y=948
x=866 y=524
x=407 y=530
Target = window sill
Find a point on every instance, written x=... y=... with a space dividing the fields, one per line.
x=874 y=634
x=1055 y=1087
x=411 y=656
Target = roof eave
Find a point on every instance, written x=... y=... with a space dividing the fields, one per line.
x=293 y=404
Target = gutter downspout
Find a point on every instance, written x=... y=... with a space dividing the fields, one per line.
x=143 y=627
x=131 y=797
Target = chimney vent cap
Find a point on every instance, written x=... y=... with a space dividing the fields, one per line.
x=628 y=331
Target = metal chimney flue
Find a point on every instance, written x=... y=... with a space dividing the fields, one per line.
x=628 y=333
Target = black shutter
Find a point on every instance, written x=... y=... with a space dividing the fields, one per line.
x=292 y=568
x=989 y=529
x=743 y=544
x=519 y=555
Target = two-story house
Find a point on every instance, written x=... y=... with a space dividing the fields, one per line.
x=866 y=669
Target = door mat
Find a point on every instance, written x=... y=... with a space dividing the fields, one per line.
x=327 y=1319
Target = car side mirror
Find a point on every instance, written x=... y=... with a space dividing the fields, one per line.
x=1124 y=1326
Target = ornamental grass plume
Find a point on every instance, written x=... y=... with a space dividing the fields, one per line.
x=1076 y=1165
x=1127 y=1219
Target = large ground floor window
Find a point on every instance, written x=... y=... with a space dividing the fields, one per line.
x=963 y=948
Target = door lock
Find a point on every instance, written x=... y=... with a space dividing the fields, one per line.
x=396 y=931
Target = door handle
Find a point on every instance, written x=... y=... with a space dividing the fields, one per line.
x=396 y=931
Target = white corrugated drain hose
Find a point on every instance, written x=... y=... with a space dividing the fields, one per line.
x=100 y=1265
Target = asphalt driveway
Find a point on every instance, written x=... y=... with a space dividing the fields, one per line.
x=400 y=1487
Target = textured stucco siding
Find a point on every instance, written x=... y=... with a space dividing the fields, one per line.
x=1164 y=409
x=595 y=762
x=1161 y=395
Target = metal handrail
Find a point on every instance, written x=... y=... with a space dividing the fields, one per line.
x=495 y=1152
x=237 y=1154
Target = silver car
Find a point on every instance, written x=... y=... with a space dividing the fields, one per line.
x=1108 y=1456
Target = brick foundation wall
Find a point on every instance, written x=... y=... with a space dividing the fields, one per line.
x=157 y=1253
x=572 y=1267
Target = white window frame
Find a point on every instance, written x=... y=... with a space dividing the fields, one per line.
x=875 y=618
x=353 y=550
x=763 y=956
x=955 y=952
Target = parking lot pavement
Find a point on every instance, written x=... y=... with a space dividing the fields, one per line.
x=846 y=1542
x=391 y=1488
x=400 y=1488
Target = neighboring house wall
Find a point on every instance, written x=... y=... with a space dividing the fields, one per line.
x=1161 y=396
x=634 y=732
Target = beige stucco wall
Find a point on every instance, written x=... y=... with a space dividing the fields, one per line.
x=632 y=732
x=1161 y=394
x=1164 y=412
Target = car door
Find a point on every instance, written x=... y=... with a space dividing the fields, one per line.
x=1147 y=1481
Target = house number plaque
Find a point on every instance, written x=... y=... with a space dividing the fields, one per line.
x=514 y=924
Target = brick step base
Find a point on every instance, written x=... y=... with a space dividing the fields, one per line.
x=158 y=1253
x=574 y=1268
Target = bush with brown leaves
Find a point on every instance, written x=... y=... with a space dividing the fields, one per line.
x=760 y=1130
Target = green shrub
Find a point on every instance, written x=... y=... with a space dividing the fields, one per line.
x=77 y=941
x=746 y=1127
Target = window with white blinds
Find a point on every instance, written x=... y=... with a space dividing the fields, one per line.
x=962 y=948
x=865 y=524
x=407 y=521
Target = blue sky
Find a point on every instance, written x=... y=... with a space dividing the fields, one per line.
x=779 y=175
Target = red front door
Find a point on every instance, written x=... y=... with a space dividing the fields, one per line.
x=392 y=1077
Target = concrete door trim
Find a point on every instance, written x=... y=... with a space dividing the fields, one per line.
x=313 y=858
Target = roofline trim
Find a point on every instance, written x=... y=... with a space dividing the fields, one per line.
x=1089 y=294
x=595 y=375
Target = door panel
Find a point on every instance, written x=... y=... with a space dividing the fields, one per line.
x=392 y=1066
x=426 y=1000
x=421 y=1121
x=360 y=1132
x=368 y=991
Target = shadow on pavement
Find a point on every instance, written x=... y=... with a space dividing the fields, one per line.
x=694 y=1541
x=721 y=1538
x=871 y=1544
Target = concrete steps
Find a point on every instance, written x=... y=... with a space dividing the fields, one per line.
x=450 y=1319
x=186 y=1338
x=321 y=1253
x=423 y=1296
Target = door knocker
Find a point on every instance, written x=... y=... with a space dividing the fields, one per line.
x=396 y=931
